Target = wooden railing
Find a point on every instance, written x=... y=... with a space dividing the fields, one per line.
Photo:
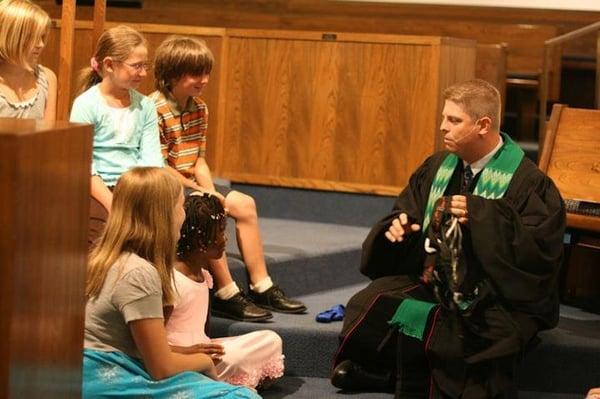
x=551 y=46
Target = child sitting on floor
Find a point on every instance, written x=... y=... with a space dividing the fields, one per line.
x=129 y=282
x=252 y=359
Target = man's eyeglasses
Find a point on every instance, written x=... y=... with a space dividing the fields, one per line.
x=138 y=66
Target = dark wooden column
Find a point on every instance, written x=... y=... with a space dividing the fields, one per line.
x=44 y=201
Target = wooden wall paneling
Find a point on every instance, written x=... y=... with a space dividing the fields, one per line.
x=99 y=19
x=338 y=16
x=457 y=64
x=217 y=132
x=598 y=70
x=490 y=66
x=357 y=113
x=45 y=175
x=65 y=58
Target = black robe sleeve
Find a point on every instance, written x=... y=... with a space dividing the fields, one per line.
x=381 y=257
x=518 y=242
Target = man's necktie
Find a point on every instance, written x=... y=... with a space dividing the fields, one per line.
x=467 y=179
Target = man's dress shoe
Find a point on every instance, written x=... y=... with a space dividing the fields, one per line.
x=350 y=376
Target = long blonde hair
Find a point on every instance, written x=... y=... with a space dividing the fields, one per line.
x=116 y=43
x=22 y=25
x=141 y=222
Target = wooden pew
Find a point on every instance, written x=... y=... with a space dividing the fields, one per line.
x=45 y=175
x=571 y=157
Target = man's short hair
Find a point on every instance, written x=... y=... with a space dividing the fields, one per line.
x=477 y=98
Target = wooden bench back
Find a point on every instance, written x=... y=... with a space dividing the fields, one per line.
x=571 y=157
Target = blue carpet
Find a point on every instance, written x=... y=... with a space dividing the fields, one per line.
x=318 y=206
x=308 y=346
x=312 y=388
x=304 y=257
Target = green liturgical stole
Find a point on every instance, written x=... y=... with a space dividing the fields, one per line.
x=411 y=316
x=492 y=183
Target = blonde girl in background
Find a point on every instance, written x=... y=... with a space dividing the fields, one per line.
x=27 y=89
x=129 y=280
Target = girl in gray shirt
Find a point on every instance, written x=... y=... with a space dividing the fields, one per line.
x=126 y=353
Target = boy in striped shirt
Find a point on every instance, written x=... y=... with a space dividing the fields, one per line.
x=181 y=68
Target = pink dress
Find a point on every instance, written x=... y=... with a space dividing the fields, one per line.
x=248 y=359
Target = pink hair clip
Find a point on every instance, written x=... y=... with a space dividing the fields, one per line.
x=94 y=64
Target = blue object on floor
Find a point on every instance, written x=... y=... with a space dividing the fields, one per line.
x=335 y=313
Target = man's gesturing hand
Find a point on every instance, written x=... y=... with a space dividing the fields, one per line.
x=400 y=227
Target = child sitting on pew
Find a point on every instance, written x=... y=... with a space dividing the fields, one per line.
x=124 y=120
x=27 y=89
x=181 y=69
x=254 y=359
x=129 y=280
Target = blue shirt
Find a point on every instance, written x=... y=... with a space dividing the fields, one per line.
x=115 y=152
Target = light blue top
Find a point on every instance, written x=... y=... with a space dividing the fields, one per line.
x=116 y=151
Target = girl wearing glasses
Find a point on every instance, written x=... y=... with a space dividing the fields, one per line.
x=124 y=120
x=27 y=89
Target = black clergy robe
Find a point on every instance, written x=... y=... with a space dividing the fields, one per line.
x=514 y=244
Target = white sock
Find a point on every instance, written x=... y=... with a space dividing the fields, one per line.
x=228 y=291
x=262 y=285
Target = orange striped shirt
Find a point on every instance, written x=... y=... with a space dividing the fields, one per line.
x=182 y=132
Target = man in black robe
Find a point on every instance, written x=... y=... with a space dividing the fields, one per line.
x=512 y=219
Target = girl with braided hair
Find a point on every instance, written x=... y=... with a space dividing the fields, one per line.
x=254 y=359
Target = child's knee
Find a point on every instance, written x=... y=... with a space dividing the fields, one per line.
x=275 y=339
x=240 y=205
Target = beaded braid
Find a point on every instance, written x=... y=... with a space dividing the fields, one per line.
x=204 y=219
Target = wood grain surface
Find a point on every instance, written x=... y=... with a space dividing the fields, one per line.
x=45 y=175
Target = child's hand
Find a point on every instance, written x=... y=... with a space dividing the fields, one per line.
x=215 y=351
x=220 y=197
